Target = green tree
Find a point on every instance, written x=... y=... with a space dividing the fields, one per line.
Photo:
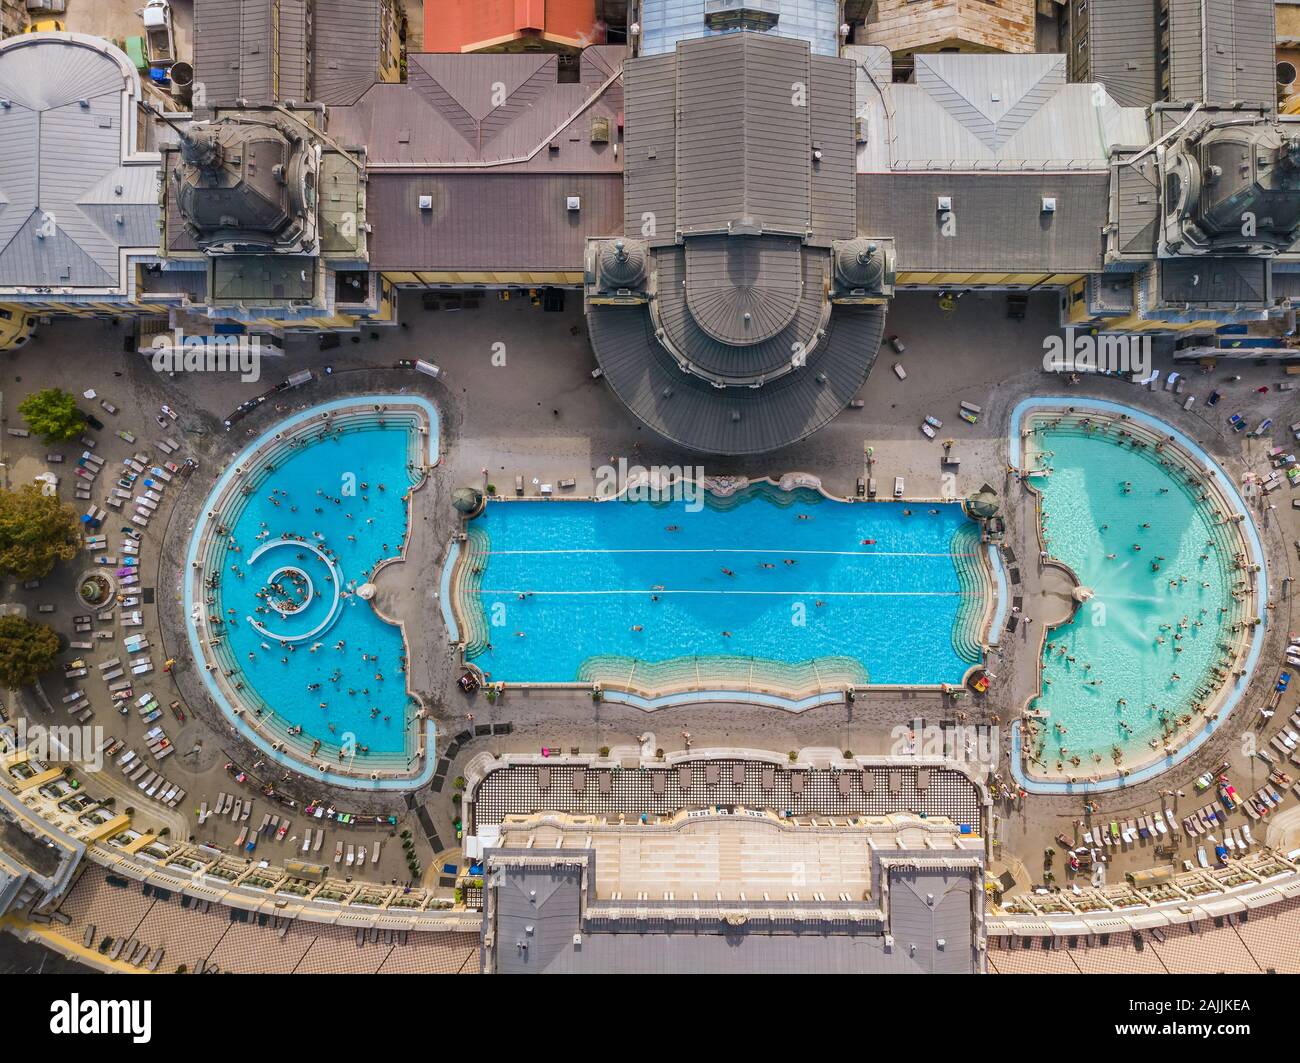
x=36 y=530
x=27 y=650
x=53 y=415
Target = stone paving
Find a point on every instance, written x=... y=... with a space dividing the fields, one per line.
x=542 y=415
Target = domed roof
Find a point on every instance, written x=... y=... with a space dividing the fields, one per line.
x=860 y=264
x=466 y=499
x=622 y=263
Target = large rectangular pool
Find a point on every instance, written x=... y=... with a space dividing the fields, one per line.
x=787 y=578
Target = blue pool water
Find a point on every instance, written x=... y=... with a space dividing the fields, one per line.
x=1146 y=625
x=588 y=572
x=327 y=492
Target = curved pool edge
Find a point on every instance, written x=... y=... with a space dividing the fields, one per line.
x=284 y=758
x=1003 y=602
x=1034 y=785
x=716 y=697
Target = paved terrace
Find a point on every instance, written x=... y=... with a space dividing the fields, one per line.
x=542 y=416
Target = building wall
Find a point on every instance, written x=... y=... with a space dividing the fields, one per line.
x=907 y=26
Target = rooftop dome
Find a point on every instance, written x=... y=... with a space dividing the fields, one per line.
x=860 y=264
x=622 y=263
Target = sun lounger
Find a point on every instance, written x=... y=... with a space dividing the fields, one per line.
x=243 y=833
x=248 y=809
x=306 y=839
x=338 y=852
x=351 y=856
x=374 y=857
x=1245 y=830
x=320 y=837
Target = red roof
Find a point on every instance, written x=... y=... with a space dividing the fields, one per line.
x=473 y=25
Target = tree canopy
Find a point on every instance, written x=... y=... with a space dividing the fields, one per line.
x=27 y=649
x=53 y=415
x=36 y=531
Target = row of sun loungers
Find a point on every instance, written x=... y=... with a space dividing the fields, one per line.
x=1147 y=825
x=149 y=782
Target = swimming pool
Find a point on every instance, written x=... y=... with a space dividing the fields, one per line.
x=278 y=581
x=783 y=588
x=1146 y=525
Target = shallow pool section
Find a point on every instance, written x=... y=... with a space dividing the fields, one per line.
x=278 y=574
x=766 y=589
x=1146 y=525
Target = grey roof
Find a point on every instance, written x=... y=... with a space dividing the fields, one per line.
x=1000 y=226
x=270 y=51
x=1204 y=279
x=508 y=112
x=1231 y=60
x=706 y=291
x=486 y=221
x=234 y=54
x=739 y=137
x=346 y=49
x=697 y=162
x=650 y=147
x=537 y=920
x=73 y=192
x=1003 y=112
x=1135 y=194
x=1122 y=53
x=932 y=905
x=734 y=420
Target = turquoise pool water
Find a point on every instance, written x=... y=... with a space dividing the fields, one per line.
x=563 y=583
x=297 y=638
x=1162 y=571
